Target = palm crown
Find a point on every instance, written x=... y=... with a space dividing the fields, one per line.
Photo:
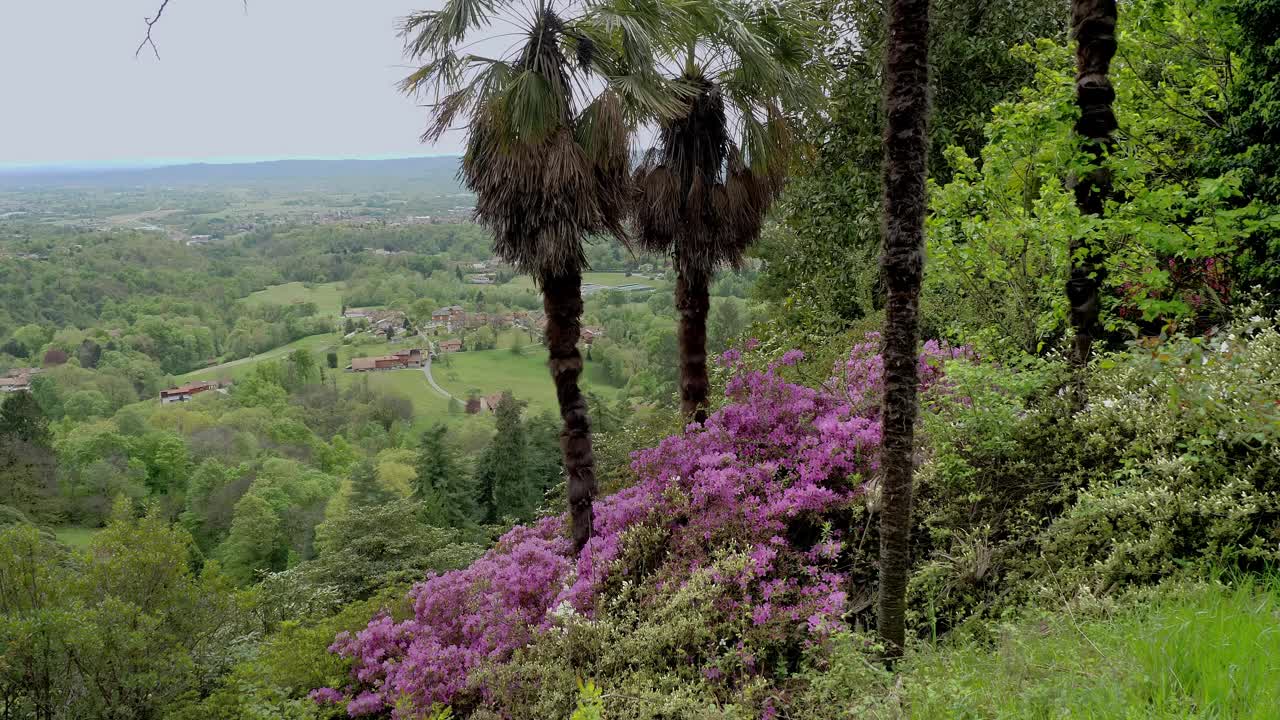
x=715 y=168
x=550 y=119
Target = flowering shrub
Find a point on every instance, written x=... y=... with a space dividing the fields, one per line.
x=744 y=504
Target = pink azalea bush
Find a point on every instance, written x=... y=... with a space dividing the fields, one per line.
x=779 y=455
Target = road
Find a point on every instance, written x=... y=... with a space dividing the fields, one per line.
x=426 y=370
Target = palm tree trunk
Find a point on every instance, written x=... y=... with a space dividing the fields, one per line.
x=693 y=302
x=562 y=301
x=905 y=142
x=1093 y=24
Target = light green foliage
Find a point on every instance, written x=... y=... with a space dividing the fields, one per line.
x=362 y=550
x=590 y=704
x=998 y=232
x=118 y=632
x=1172 y=466
x=1198 y=474
x=644 y=648
x=290 y=662
x=254 y=544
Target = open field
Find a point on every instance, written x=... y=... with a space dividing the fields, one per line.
x=326 y=296
x=608 y=279
x=238 y=368
x=491 y=371
x=75 y=536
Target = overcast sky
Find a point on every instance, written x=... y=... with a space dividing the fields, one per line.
x=291 y=78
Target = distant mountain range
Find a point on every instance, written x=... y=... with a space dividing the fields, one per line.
x=433 y=169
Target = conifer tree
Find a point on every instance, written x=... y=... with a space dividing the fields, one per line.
x=441 y=485
x=505 y=486
x=366 y=491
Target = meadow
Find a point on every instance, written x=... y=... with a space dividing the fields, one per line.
x=326 y=296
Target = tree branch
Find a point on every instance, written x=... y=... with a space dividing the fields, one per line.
x=151 y=22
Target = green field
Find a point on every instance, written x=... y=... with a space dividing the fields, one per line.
x=75 y=536
x=236 y=369
x=608 y=279
x=491 y=371
x=326 y=296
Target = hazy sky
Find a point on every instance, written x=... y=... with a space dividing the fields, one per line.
x=291 y=78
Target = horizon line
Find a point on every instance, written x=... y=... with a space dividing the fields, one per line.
x=154 y=163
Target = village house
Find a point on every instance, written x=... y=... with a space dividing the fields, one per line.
x=483 y=279
x=450 y=346
x=399 y=360
x=589 y=334
x=183 y=393
x=452 y=317
x=18 y=379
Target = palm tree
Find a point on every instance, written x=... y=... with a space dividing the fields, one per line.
x=548 y=127
x=1093 y=23
x=715 y=168
x=902 y=262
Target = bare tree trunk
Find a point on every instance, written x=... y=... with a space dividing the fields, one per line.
x=1093 y=24
x=693 y=302
x=562 y=301
x=905 y=142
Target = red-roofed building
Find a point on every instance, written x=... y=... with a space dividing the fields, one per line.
x=183 y=393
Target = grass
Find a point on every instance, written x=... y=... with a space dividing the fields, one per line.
x=608 y=279
x=75 y=536
x=491 y=371
x=236 y=369
x=1203 y=651
x=326 y=296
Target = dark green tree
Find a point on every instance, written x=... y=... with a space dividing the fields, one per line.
x=504 y=485
x=441 y=485
x=366 y=491
x=28 y=466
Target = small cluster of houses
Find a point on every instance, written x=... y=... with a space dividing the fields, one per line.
x=378 y=319
x=455 y=318
x=18 y=379
x=398 y=360
x=183 y=393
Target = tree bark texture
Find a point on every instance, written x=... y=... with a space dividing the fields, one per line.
x=693 y=303
x=902 y=262
x=1093 y=24
x=562 y=301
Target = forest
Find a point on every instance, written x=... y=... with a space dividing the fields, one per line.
x=953 y=390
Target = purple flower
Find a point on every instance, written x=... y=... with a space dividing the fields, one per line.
x=776 y=453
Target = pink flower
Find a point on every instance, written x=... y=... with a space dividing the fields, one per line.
x=777 y=454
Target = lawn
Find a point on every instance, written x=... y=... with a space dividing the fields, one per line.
x=75 y=536
x=236 y=369
x=608 y=279
x=1197 y=651
x=326 y=296
x=491 y=371
x=428 y=406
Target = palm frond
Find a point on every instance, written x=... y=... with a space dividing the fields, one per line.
x=430 y=32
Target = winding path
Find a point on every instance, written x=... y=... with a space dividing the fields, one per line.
x=426 y=370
